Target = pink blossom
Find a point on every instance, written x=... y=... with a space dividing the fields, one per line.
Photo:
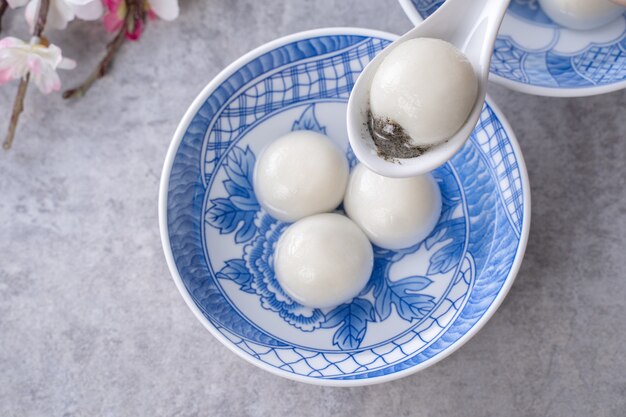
x=18 y=59
x=117 y=9
x=114 y=17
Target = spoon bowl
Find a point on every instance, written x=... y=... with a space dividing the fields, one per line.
x=471 y=26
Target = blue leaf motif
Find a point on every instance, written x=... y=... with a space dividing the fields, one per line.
x=353 y=318
x=240 y=169
x=245 y=203
x=446 y=258
x=383 y=302
x=445 y=230
x=404 y=295
x=239 y=209
x=414 y=283
x=308 y=121
x=236 y=271
x=240 y=166
x=450 y=231
x=223 y=215
x=248 y=229
x=235 y=190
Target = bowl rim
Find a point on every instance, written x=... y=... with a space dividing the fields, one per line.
x=163 y=229
x=559 y=92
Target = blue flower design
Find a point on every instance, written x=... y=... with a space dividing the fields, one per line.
x=255 y=275
x=241 y=214
x=258 y=259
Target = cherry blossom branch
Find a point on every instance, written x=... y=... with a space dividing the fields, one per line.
x=135 y=15
x=3 y=8
x=42 y=16
x=102 y=68
x=18 y=105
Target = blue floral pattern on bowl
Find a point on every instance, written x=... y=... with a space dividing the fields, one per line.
x=420 y=303
x=535 y=55
x=240 y=214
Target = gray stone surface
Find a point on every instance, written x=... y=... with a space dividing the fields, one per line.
x=92 y=325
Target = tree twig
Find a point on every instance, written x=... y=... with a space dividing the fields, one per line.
x=101 y=69
x=3 y=8
x=18 y=105
x=42 y=16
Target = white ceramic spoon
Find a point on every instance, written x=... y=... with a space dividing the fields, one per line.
x=471 y=26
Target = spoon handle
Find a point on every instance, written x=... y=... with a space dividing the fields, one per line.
x=471 y=25
x=458 y=20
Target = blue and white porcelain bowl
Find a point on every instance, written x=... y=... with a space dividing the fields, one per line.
x=534 y=55
x=421 y=303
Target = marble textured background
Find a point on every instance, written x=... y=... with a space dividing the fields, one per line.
x=92 y=325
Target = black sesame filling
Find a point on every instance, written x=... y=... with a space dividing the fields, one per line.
x=391 y=140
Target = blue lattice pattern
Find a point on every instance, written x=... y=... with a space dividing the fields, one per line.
x=602 y=64
x=337 y=364
x=490 y=136
x=332 y=76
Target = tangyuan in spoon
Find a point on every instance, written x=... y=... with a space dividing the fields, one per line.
x=415 y=104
